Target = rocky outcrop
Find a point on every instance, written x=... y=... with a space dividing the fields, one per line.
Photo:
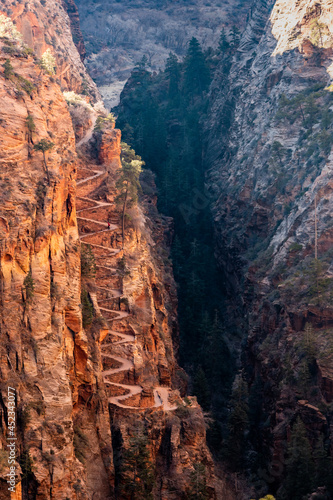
x=136 y=295
x=46 y=25
x=44 y=349
x=73 y=14
x=87 y=320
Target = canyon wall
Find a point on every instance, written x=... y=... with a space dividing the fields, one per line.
x=269 y=140
x=46 y=25
x=88 y=318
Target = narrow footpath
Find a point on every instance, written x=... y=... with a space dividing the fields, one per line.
x=95 y=232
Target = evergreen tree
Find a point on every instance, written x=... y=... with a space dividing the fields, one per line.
x=300 y=470
x=198 y=485
x=8 y=69
x=161 y=116
x=197 y=76
x=237 y=424
x=223 y=42
x=324 y=466
x=201 y=388
x=172 y=71
x=44 y=145
x=137 y=471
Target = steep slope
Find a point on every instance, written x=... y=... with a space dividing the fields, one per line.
x=45 y=25
x=45 y=352
x=269 y=150
x=119 y=34
x=140 y=370
x=87 y=327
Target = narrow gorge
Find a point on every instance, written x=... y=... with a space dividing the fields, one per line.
x=165 y=252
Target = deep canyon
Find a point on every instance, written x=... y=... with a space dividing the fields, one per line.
x=167 y=268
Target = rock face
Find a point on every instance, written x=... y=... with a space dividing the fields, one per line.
x=72 y=11
x=44 y=349
x=136 y=295
x=272 y=175
x=46 y=25
x=87 y=320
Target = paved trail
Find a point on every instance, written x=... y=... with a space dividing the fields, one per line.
x=103 y=294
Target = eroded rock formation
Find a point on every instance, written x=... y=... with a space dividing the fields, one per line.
x=87 y=322
x=272 y=176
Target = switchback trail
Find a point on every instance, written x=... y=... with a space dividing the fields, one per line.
x=96 y=234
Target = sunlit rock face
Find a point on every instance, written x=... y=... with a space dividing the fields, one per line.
x=58 y=175
x=269 y=148
x=46 y=25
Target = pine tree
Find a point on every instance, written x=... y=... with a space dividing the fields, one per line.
x=137 y=471
x=223 y=42
x=172 y=71
x=324 y=466
x=197 y=76
x=300 y=470
x=237 y=424
x=198 y=485
x=201 y=388
x=43 y=146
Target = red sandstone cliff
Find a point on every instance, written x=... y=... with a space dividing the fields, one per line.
x=90 y=354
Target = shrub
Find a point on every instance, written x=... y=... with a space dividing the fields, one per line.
x=8 y=29
x=48 y=62
x=75 y=99
x=30 y=123
x=29 y=286
x=87 y=309
x=81 y=443
x=295 y=247
x=25 y=84
x=102 y=121
x=88 y=264
x=8 y=69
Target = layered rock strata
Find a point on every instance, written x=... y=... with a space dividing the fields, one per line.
x=269 y=149
x=90 y=356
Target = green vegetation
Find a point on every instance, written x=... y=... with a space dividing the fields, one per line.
x=31 y=128
x=44 y=145
x=128 y=182
x=30 y=123
x=238 y=423
x=198 y=489
x=161 y=116
x=103 y=122
x=29 y=287
x=311 y=111
x=300 y=465
x=87 y=309
x=8 y=69
x=88 y=264
x=320 y=33
x=81 y=444
x=48 y=62
x=22 y=84
x=25 y=84
x=8 y=29
x=137 y=470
